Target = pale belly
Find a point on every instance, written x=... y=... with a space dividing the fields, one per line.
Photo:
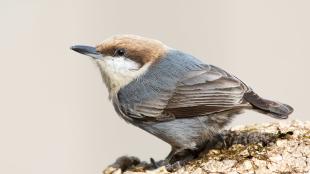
x=187 y=133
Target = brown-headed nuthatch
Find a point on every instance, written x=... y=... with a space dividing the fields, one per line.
x=171 y=94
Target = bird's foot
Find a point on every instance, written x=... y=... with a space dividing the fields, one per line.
x=176 y=165
x=216 y=142
x=177 y=159
x=173 y=167
x=121 y=164
x=154 y=164
x=221 y=142
x=169 y=166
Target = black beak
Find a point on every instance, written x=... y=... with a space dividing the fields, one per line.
x=86 y=50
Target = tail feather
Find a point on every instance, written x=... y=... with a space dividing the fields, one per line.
x=271 y=108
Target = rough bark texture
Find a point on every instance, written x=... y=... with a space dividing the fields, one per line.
x=261 y=148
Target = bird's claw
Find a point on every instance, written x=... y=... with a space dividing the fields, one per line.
x=121 y=164
x=169 y=167
x=175 y=166
x=154 y=164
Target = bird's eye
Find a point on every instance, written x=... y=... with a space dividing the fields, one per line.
x=119 y=52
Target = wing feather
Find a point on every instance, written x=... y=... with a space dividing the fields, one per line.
x=199 y=93
x=211 y=89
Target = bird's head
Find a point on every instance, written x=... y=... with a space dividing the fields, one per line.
x=123 y=58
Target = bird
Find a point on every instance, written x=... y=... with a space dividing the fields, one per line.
x=172 y=94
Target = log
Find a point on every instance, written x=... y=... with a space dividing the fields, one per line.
x=260 y=148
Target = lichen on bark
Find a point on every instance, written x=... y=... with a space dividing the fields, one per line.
x=261 y=148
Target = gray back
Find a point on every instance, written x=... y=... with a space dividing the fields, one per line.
x=156 y=85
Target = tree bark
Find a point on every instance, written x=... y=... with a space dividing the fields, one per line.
x=259 y=148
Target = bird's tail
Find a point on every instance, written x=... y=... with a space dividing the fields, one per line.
x=272 y=108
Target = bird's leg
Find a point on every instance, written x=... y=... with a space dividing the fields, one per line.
x=154 y=164
x=220 y=138
x=216 y=142
x=163 y=162
x=178 y=157
x=170 y=156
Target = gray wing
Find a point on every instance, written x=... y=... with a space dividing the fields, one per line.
x=200 y=92
x=205 y=92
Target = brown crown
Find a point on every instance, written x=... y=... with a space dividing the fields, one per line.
x=138 y=49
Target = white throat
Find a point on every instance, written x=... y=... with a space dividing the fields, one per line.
x=118 y=72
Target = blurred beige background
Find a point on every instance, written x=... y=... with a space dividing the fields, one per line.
x=55 y=116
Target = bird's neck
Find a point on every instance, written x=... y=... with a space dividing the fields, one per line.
x=115 y=80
